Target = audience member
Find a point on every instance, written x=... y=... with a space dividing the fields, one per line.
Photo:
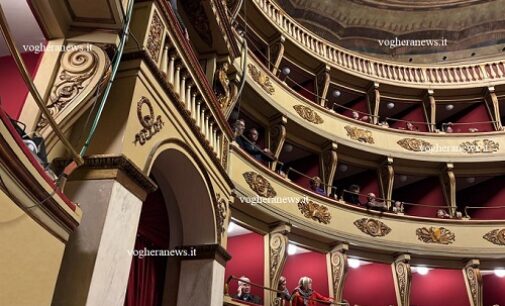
x=315 y=185
x=244 y=291
x=384 y=124
x=372 y=203
x=442 y=213
x=238 y=128
x=284 y=294
x=398 y=208
x=248 y=143
x=352 y=195
x=303 y=295
x=411 y=127
x=448 y=127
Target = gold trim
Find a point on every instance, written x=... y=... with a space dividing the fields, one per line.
x=221 y=209
x=415 y=145
x=372 y=227
x=308 y=114
x=496 y=236
x=439 y=235
x=261 y=79
x=360 y=135
x=487 y=146
x=259 y=184
x=316 y=212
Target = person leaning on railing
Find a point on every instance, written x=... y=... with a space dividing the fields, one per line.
x=373 y=203
x=315 y=185
x=303 y=295
x=352 y=195
x=244 y=292
x=248 y=143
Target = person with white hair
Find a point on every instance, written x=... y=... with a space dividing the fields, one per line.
x=244 y=291
x=303 y=295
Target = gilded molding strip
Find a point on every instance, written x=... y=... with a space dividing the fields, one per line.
x=496 y=236
x=151 y=126
x=308 y=114
x=372 y=227
x=261 y=79
x=439 y=235
x=156 y=30
x=221 y=210
x=360 y=135
x=259 y=184
x=478 y=146
x=414 y=144
x=314 y=211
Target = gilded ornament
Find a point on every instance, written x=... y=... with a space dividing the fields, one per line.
x=439 y=235
x=472 y=276
x=314 y=211
x=478 y=146
x=259 y=184
x=221 y=208
x=278 y=244
x=308 y=114
x=360 y=135
x=415 y=145
x=261 y=79
x=150 y=124
x=402 y=275
x=155 y=38
x=496 y=236
x=224 y=155
x=372 y=227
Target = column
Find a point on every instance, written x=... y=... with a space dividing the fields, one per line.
x=430 y=110
x=329 y=161
x=493 y=107
x=277 y=136
x=276 y=252
x=96 y=264
x=386 y=180
x=402 y=277
x=373 y=97
x=337 y=260
x=322 y=84
x=473 y=282
x=449 y=186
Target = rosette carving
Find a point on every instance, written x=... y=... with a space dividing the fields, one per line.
x=308 y=114
x=259 y=184
x=155 y=37
x=221 y=209
x=372 y=227
x=82 y=69
x=261 y=79
x=439 y=235
x=360 y=135
x=314 y=211
x=496 y=236
x=415 y=145
x=478 y=146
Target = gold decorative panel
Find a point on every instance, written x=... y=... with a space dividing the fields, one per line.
x=259 y=184
x=439 y=235
x=151 y=126
x=314 y=211
x=372 y=227
x=155 y=38
x=477 y=146
x=261 y=79
x=308 y=114
x=360 y=135
x=496 y=236
x=415 y=145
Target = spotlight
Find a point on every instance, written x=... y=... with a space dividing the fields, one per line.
x=500 y=272
x=336 y=93
x=231 y=227
x=470 y=180
x=390 y=105
x=288 y=148
x=403 y=178
x=449 y=107
x=292 y=249
x=286 y=71
x=353 y=263
x=343 y=168
x=422 y=270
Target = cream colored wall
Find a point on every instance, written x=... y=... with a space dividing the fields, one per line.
x=30 y=258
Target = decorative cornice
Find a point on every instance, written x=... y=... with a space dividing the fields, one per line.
x=261 y=79
x=496 y=236
x=478 y=146
x=372 y=227
x=360 y=135
x=414 y=144
x=439 y=235
x=316 y=212
x=308 y=114
x=259 y=184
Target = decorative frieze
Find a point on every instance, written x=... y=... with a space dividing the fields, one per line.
x=261 y=78
x=360 y=135
x=259 y=184
x=316 y=212
x=439 y=235
x=155 y=36
x=308 y=114
x=372 y=227
x=496 y=236
x=415 y=145
x=151 y=126
x=480 y=146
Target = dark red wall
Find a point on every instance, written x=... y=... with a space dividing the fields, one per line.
x=247 y=260
x=440 y=287
x=370 y=285
x=366 y=180
x=488 y=194
x=360 y=105
x=309 y=264
x=12 y=88
x=414 y=115
x=309 y=166
x=493 y=290
x=428 y=191
x=477 y=113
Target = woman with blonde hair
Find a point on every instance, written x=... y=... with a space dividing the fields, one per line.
x=303 y=295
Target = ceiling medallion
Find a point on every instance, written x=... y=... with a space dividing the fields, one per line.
x=439 y=235
x=259 y=184
x=308 y=114
x=314 y=211
x=477 y=146
x=261 y=79
x=372 y=227
x=415 y=145
x=496 y=236
x=359 y=134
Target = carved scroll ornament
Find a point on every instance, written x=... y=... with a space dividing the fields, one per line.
x=150 y=124
x=261 y=79
x=415 y=145
x=259 y=184
x=496 y=236
x=477 y=146
x=308 y=114
x=360 y=135
x=314 y=211
x=372 y=227
x=439 y=235
x=221 y=209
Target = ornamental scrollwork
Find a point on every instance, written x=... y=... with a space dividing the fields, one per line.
x=259 y=184
x=415 y=145
x=472 y=277
x=316 y=212
x=224 y=155
x=221 y=209
x=338 y=262
x=402 y=271
x=150 y=124
x=439 y=235
x=261 y=79
x=308 y=114
x=155 y=37
x=372 y=227
x=496 y=236
x=478 y=146
x=223 y=88
x=360 y=135
x=278 y=243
